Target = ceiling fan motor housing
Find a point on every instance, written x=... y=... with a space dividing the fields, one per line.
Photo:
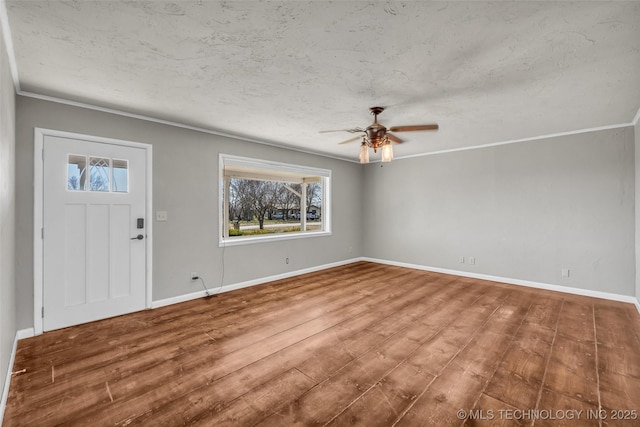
x=375 y=135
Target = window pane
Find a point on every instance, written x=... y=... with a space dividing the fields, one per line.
x=76 y=167
x=261 y=207
x=120 y=178
x=99 y=174
x=314 y=203
x=270 y=200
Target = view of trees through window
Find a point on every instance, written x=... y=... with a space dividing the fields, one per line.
x=264 y=207
x=268 y=200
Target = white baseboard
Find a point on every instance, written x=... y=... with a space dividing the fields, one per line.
x=29 y=332
x=233 y=287
x=23 y=333
x=519 y=282
x=508 y=280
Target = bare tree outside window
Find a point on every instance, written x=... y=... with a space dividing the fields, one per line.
x=271 y=202
x=74 y=183
x=258 y=200
x=240 y=206
x=286 y=200
x=314 y=195
x=251 y=197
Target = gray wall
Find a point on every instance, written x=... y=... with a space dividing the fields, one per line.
x=7 y=214
x=185 y=179
x=524 y=211
x=637 y=182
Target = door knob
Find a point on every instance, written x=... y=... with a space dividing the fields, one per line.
x=138 y=237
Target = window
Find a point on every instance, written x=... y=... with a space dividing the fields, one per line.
x=262 y=200
x=104 y=174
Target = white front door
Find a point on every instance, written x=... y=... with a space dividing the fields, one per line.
x=94 y=231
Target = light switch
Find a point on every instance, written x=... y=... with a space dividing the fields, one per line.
x=161 y=215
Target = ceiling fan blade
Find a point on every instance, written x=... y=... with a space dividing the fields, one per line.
x=350 y=140
x=394 y=138
x=413 y=128
x=354 y=130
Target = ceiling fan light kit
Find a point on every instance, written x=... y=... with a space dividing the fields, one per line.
x=387 y=152
x=364 y=152
x=378 y=136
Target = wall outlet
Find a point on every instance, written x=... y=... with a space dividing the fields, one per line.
x=194 y=275
x=286 y=260
x=472 y=260
x=461 y=260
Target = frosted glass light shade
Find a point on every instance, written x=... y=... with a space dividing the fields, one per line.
x=387 y=152
x=364 y=154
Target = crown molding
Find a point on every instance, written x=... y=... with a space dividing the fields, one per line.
x=175 y=124
x=316 y=153
x=516 y=141
x=8 y=41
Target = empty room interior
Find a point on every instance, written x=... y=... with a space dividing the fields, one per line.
x=280 y=213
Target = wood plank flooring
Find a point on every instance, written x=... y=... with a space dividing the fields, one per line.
x=362 y=344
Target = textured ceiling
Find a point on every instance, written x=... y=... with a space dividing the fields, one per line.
x=281 y=71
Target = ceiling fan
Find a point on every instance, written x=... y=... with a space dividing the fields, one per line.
x=378 y=136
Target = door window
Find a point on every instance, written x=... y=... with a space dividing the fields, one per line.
x=105 y=174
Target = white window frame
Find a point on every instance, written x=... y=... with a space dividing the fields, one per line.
x=269 y=170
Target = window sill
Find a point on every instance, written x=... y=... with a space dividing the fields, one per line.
x=275 y=238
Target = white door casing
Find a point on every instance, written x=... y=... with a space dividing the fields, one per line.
x=92 y=265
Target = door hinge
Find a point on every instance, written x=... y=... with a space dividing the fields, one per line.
x=43 y=312
x=42 y=232
x=43 y=154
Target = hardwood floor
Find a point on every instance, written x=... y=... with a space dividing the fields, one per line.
x=363 y=344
